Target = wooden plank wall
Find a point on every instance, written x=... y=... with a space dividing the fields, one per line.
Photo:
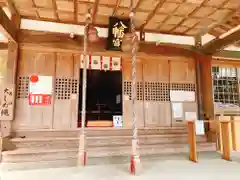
x=154 y=76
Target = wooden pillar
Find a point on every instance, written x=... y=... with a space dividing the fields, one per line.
x=9 y=84
x=205 y=90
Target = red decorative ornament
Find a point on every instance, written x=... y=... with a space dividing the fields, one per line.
x=92 y=34
x=34 y=78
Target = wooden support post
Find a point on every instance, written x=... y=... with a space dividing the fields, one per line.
x=192 y=141
x=225 y=131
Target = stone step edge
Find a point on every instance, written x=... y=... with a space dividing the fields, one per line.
x=97 y=138
x=101 y=129
x=39 y=151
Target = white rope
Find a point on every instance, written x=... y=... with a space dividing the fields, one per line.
x=134 y=83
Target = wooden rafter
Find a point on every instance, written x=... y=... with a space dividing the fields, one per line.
x=12 y=7
x=116 y=7
x=152 y=13
x=169 y=16
x=138 y=4
x=75 y=5
x=34 y=6
x=94 y=11
x=218 y=44
x=189 y=15
x=7 y=27
x=216 y=23
x=54 y=3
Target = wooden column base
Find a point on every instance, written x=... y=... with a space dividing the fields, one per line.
x=82 y=154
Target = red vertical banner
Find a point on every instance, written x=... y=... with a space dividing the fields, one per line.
x=121 y=66
x=101 y=63
x=110 y=62
x=90 y=61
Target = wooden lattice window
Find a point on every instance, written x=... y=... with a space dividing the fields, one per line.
x=22 y=87
x=65 y=87
x=156 y=91
x=226 y=86
x=127 y=88
x=183 y=87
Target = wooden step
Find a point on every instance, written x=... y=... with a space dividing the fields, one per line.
x=65 y=143
x=30 y=155
x=97 y=132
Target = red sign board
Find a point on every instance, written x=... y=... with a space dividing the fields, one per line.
x=39 y=99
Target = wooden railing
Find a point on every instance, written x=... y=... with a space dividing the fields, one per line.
x=226 y=137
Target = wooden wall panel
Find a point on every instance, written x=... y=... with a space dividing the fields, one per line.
x=65 y=112
x=157 y=113
x=127 y=70
x=64 y=65
x=182 y=71
x=33 y=62
x=30 y=117
x=163 y=70
x=127 y=103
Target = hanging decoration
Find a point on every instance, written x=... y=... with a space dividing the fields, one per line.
x=105 y=63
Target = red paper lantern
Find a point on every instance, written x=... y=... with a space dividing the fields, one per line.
x=34 y=78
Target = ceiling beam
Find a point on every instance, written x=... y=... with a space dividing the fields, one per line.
x=54 y=4
x=7 y=27
x=219 y=43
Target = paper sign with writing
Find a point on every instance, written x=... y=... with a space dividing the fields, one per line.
x=6 y=103
x=116 y=31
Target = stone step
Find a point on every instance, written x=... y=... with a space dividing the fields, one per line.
x=72 y=162
x=30 y=155
x=63 y=143
x=97 y=132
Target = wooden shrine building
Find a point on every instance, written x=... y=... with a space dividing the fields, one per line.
x=187 y=68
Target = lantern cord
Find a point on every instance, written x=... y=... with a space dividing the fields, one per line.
x=134 y=83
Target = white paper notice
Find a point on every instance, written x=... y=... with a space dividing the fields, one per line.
x=190 y=116
x=177 y=109
x=181 y=96
x=117 y=121
x=199 y=126
x=44 y=85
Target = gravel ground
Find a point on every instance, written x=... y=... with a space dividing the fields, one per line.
x=210 y=167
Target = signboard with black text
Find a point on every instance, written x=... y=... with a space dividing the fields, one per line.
x=116 y=30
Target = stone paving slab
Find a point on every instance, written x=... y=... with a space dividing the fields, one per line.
x=210 y=167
